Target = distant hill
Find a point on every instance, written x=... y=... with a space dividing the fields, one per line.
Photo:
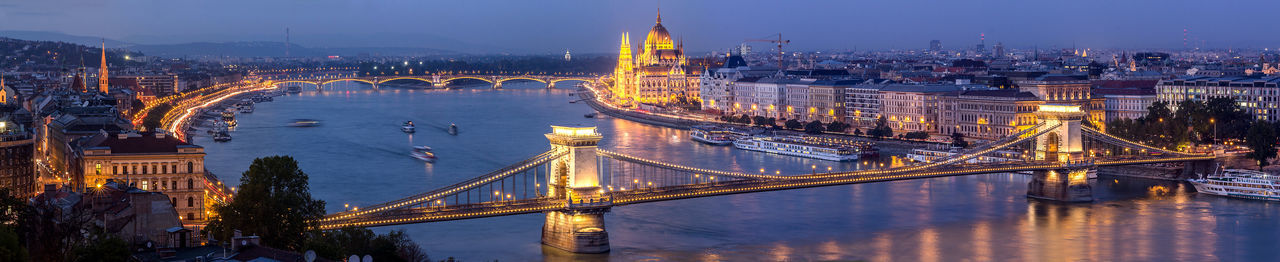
x=276 y=49
x=234 y=49
x=61 y=37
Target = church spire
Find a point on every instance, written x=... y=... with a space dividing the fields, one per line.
x=659 y=15
x=102 y=69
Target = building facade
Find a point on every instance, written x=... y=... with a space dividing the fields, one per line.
x=658 y=75
x=862 y=105
x=1068 y=89
x=153 y=162
x=17 y=154
x=1256 y=95
x=987 y=114
x=911 y=108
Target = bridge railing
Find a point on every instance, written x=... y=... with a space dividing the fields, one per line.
x=1121 y=142
x=655 y=163
x=455 y=188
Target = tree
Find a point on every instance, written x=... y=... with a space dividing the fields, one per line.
x=916 y=135
x=340 y=243
x=103 y=246
x=793 y=124
x=957 y=140
x=857 y=132
x=814 y=127
x=761 y=121
x=837 y=126
x=1262 y=140
x=274 y=202
x=881 y=129
x=154 y=117
x=11 y=248
x=744 y=119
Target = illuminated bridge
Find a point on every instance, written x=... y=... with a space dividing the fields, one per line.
x=436 y=81
x=574 y=183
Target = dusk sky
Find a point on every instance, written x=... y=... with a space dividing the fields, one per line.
x=594 y=26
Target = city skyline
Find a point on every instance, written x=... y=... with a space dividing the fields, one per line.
x=705 y=25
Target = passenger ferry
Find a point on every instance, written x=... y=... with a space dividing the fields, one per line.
x=929 y=155
x=712 y=135
x=1240 y=183
x=794 y=146
x=229 y=116
x=303 y=122
x=423 y=153
x=407 y=127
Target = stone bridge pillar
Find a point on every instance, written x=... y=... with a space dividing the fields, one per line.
x=1061 y=144
x=579 y=228
x=1070 y=184
x=435 y=81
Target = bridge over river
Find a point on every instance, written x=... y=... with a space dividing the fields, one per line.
x=574 y=183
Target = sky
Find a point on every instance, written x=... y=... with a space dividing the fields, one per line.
x=589 y=26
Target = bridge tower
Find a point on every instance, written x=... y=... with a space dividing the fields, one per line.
x=579 y=228
x=435 y=81
x=1063 y=144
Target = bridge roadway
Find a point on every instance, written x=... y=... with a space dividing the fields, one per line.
x=646 y=195
x=439 y=80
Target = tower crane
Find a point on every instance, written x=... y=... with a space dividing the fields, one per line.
x=770 y=39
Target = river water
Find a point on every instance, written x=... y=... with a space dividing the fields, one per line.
x=359 y=157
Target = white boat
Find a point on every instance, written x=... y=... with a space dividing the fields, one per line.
x=229 y=116
x=407 y=127
x=246 y=108
x=931 y=155
x=712 y=136
x=453 y=129
x=423 y=153
x=1240 y=183
x=798 y=147
x=305 y=123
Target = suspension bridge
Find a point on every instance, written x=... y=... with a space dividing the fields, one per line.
x=574 y=183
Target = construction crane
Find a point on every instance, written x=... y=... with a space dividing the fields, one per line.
x=779 y=41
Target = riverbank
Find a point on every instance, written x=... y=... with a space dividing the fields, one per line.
x=888 y=145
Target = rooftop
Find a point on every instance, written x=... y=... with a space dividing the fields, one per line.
x=134 y=143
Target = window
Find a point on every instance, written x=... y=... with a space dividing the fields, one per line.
x=97 y=169
x=144 y=185
x=153 y=169
x=191 y=216
x=191 y=183
x=174 y=185
x=115 y=170
x=164 y=169
x=174 y=168
x=191 y=167
x=174 y=202
x=191 y=202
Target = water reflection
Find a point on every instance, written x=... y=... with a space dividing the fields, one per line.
x=360 y=157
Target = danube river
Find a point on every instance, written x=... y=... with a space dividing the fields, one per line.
x=359 y=157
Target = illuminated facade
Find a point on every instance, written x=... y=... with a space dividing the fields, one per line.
x=154 y=162
x=658 y=75
x=1260 y=96
x=102 y=71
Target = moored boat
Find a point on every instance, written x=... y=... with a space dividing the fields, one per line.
x=793 y=146
x=221 y=136
x=712 y=135
x=1239 y=183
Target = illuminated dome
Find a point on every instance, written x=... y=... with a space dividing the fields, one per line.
x=658 y=37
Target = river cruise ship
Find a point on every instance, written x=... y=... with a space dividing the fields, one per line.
x=713 y=135
x=929 y=155
x=1240 y=183
x=794 y=146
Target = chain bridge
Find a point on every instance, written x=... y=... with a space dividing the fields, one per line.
x=574 y=183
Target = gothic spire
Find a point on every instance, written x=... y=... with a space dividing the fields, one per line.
x=102 y=69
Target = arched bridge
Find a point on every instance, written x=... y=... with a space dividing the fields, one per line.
x=574 y=183
x=437 y=81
